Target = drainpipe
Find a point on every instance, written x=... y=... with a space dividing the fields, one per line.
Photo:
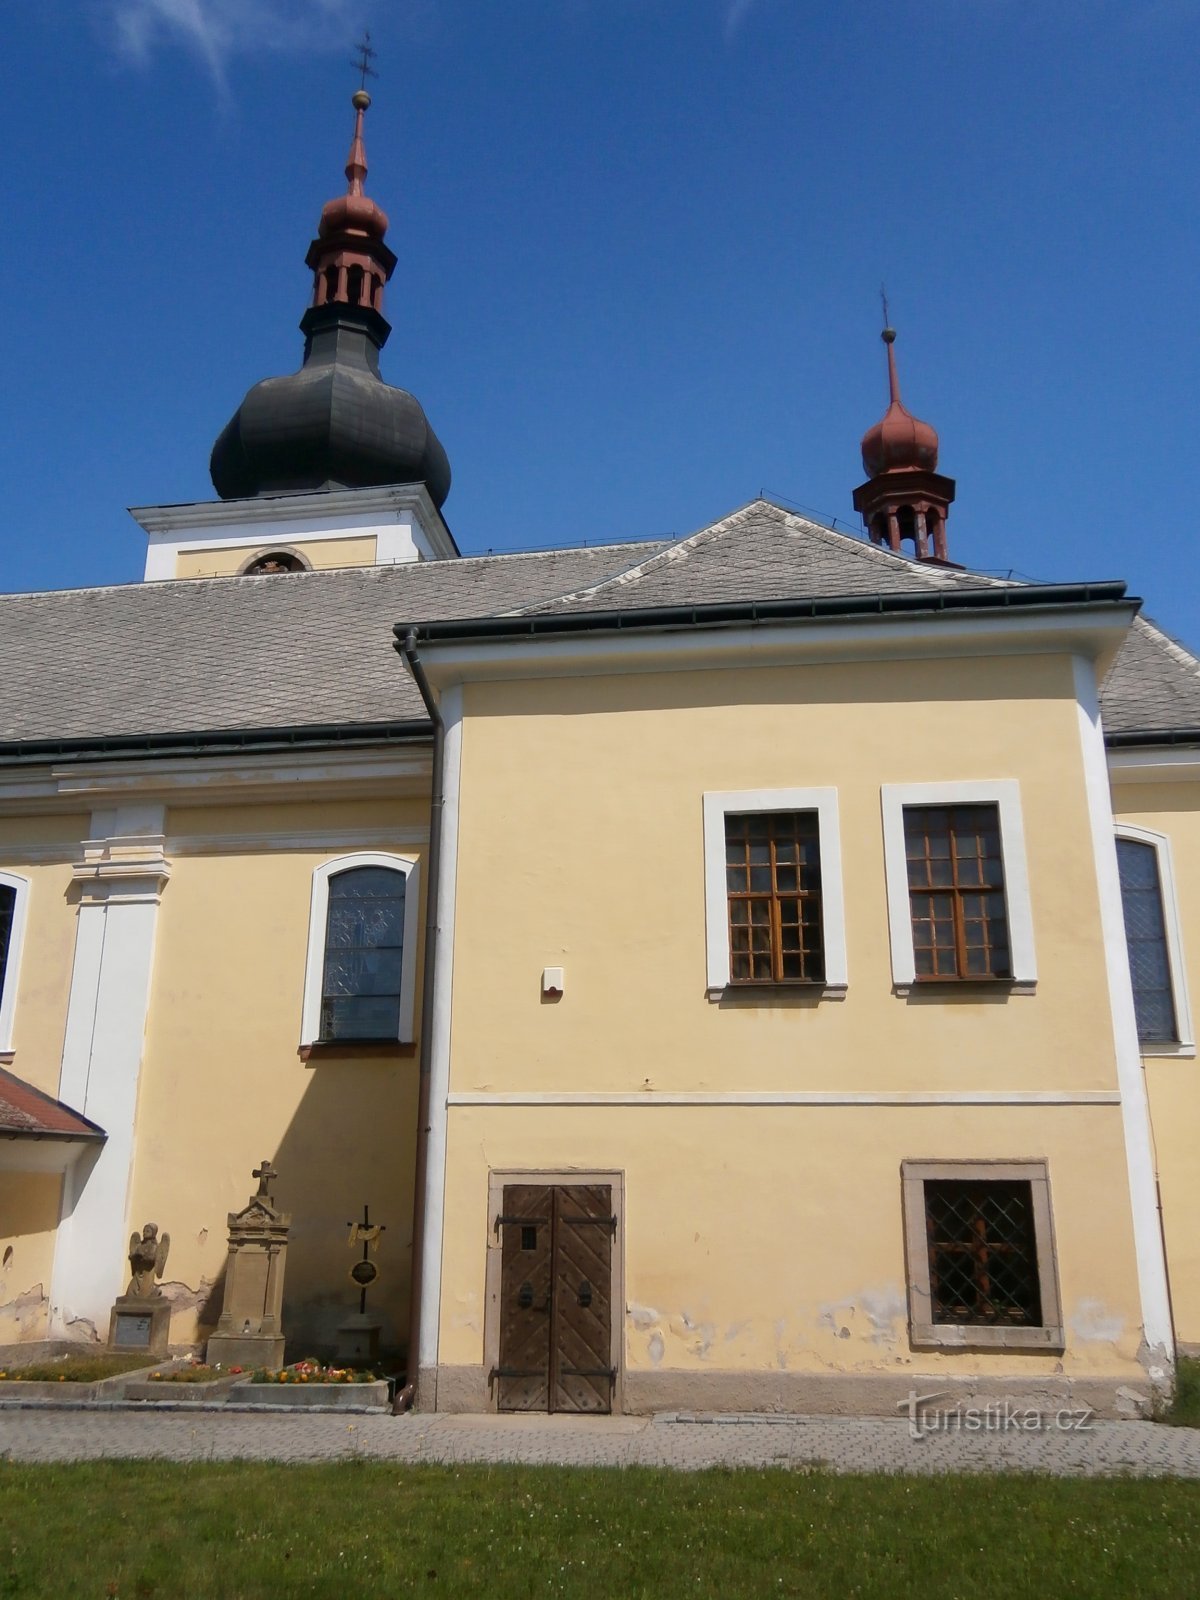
x=407 y=646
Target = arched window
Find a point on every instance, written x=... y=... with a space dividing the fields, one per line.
x=1152 y=936
x=906 y=519
x=274 y=561
x=361 y=968
x=354 y=286
x=14 y=895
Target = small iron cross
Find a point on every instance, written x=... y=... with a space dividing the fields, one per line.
x=365 y=56
x=266 y=1175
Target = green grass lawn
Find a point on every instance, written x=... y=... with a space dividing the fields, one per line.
x=132 y=1530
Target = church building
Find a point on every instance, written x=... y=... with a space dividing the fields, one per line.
x=741 y=973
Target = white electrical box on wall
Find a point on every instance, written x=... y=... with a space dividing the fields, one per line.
x=552 y=980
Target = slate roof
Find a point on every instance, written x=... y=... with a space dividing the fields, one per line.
x=298 y=649
x=27 y=1112
x=761 y=552
x=305 y=650
x=1154 y=685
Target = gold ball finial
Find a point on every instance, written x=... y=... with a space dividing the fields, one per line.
x=360 y=99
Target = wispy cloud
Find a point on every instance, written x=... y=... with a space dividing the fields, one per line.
x=736 y=14
x=218 y=30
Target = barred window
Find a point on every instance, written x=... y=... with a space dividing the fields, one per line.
x=364 y=951
x=956 y=892
x=1146 y=937
x=773 y=885
x=983 y=1269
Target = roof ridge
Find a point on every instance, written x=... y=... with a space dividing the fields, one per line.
x=1174 y=648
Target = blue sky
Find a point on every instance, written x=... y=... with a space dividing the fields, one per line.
x=641 y=244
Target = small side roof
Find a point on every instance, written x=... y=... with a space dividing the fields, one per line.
x=25 y=1112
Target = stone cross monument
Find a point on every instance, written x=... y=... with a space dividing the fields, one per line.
x=250 y=1332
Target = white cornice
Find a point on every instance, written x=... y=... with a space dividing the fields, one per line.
x=1154 y=764
x=1069 y=630
x=326 y=506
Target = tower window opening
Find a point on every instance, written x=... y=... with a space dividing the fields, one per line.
x=330 y=283
x=906 y=521
x=275 y=561
x=354 y=286
x=879 y=528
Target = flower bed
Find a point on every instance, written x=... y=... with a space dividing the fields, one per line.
x=312 y=1372
x=197 y=1372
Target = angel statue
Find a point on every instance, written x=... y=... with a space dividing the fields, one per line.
x=147 y=1261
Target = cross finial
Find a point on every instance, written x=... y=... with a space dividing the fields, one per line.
x=883 y=300
x=365 y=54
x=265 y=1175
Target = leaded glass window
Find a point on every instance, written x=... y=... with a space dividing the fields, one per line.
x=983 y=1268
x=773 y=883
x=956 y=892
x=364 y=950
x=1146 y=936
x=8 y=902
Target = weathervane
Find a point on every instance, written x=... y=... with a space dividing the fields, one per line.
x=887 y=321
x=364 y=57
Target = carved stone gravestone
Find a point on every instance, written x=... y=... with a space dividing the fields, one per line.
x=250 y=1331
x=141 y=1317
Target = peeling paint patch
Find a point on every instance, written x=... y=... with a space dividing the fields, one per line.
x=1093 y=1322
x=884 y=1310
x=642 y=1317
x=25 y=1316
x=655 y=1348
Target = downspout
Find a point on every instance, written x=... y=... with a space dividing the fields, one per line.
x=407 y=646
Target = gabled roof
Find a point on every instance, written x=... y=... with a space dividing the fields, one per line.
x=1153 y=687
x=25 y=1112
x=761 y=552
x=293 y=650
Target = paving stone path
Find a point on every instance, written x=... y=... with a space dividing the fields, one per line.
x=836 y=1444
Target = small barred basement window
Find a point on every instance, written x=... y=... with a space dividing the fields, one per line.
x=773 y=883
x=982 y=1253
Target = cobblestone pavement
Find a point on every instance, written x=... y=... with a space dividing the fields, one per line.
x=836 y=1444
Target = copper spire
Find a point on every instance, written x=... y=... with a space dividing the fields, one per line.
x=356 y=161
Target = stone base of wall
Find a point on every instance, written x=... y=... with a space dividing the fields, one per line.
x=466 y=1389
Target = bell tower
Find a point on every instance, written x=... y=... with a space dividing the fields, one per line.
x=905 y=500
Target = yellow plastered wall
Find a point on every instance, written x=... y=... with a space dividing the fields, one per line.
x=1174 y=1084
x=580 y=845
x=223 y=1083
x=772 y=1237
x=29 y=1203
x=224 y=561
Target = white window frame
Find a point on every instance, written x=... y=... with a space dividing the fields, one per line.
x=1005 y=795
x=1185 y=1044
x=12 y=970
x=716 y=898
x=318 y=920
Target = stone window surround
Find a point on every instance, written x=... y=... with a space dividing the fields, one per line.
x=1185 y=1044
x=314 y=966
x=716 y=906
x=12 y=969
x=1005 y=795
x=924 y=1333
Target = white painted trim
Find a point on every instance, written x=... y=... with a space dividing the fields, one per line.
x=1005 y=794
x=440 y=1025
x=120 y=881
x=824 y=802
x=210 y=844
x=893 y=636
x=1154 y=764
x=318 y=917
x=28 y=1153
x=12 y=970
x=787 y=1097
x=1185 y=1042
x=1139 y=1149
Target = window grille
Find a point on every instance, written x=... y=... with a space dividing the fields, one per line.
x=983 y=1268
x=773 y=883
x=956 y=892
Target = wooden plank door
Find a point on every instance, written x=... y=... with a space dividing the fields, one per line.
x=556 y=1298
x=581 y=1369
x=526 y=1291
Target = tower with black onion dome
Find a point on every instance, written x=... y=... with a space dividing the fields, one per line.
x=905 y=500
x=335 y=424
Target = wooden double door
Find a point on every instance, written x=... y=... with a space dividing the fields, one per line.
x=556 y=1298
